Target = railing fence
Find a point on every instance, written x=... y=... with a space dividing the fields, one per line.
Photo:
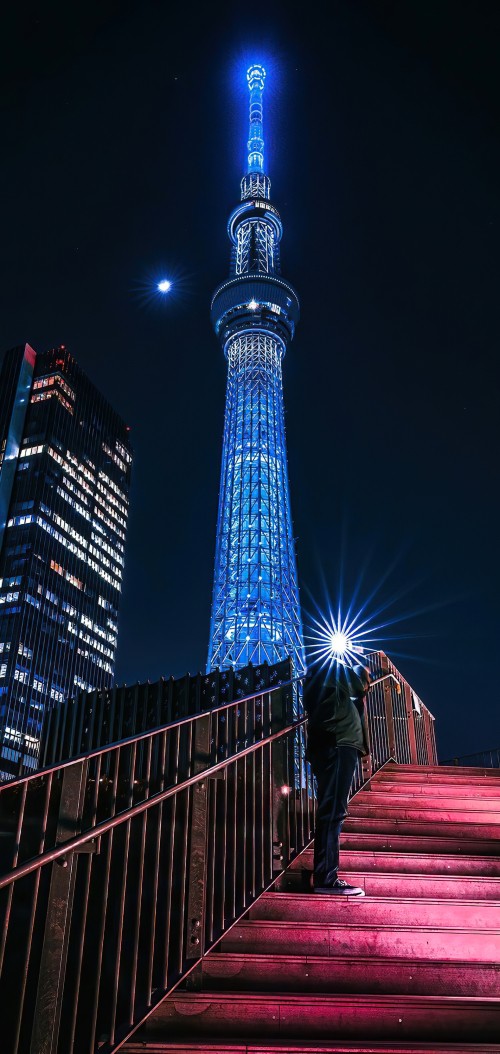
x=123 y=866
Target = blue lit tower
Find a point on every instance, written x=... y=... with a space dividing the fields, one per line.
x=255 y=608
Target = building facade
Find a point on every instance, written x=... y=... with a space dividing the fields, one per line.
x=255 y=606
x=65 y=464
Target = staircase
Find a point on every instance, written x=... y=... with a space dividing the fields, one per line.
x=411 y=967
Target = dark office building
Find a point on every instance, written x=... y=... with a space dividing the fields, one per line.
x=65 y=461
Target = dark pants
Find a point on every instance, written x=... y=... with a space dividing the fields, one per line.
x=334 y=769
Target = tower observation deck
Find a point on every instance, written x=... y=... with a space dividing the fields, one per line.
x=255 y=607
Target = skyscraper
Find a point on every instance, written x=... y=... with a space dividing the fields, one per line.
x=255 y=606
x=65 y=461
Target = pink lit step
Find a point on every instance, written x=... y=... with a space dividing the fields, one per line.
x=412 y=788
x=277 y=1016
x=397 y=841
x=353 y=939
x=432 y=778
x=430 y=771
x=437 y=812
x=403 y=885
x=291 y=1047
x=396 y=798
x=435 y=828
x=374 y=911
x=362 y=861
x=287 y=973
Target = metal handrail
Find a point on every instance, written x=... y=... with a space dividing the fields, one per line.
x=93 y=719
x=69 y=846
x=477 y=759
x=156 y=849
x=87 y=755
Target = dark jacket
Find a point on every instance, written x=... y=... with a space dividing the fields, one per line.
x=336 y=717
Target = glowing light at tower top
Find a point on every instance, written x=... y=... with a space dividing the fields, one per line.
x=256 y=76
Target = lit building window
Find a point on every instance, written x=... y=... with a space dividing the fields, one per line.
x=27 y=451
x=42 y=396
x=9 y=598
x=65 y=574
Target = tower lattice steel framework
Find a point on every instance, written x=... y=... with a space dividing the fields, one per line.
x=255 y=608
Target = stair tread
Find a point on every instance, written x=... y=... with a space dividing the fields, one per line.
x=476 y=791
x=307 y=898
x=446 y=859
x=349 y=1015
x=416 y=810
x=394 y=883
x=238 y=971
x=400 y=789
x=436 y=770
x=349 y=924
x=217 y=959
x=444 y=803
x=440 y=912
x=404 y=841
x=348 y=938
x=440 y=828
x=477 y=777
x=292 y=998
x=396 y=816
x=231 y=1046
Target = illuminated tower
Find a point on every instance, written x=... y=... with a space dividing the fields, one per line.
x=255 y=607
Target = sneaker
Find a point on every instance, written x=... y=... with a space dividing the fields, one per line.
x=341 y=888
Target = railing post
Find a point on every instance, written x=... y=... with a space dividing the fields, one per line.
x=196 y=863
x=51 y=977
x=280 y=777
x=389 y=713
x=367 y=760
x=412 y=741
x=429 y=738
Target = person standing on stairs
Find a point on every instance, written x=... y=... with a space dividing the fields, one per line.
x=336 y=737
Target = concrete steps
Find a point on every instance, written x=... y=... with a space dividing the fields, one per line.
x=294 y=1047
x=401 y=824
x=349 y=1016
x=411 y=968
x=412 y=861
x=469 y=774
x=430 y=802
x=410 y=842
x=316 y=973
x=376 y=911
x=411 y=789
x=351 y=938
x=393 y=884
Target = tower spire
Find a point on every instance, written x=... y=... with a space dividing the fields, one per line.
x=255 y=183
x=255 y=606
x=256 y=76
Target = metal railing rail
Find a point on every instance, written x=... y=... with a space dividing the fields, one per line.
x=400 y=726
x=95 y=719
x=123 y=866
x=164 y=840
x=61 y=851
x=484 y=759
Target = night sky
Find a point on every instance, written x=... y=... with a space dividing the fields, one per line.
x=124 y=130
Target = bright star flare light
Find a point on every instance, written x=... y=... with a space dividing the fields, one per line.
x=164 y=286
x=333 y=639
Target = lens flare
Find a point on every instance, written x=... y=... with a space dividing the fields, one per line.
x=336 y=640
x=339 y=644
x=164 y=286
